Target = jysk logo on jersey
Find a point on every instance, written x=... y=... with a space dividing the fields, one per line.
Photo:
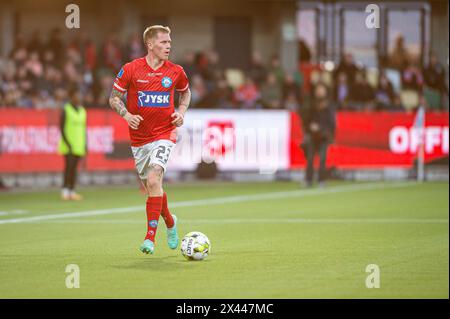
x=166 y=82
x=153 y=99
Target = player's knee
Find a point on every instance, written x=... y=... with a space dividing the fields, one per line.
x=153 y=182
x=154 y=179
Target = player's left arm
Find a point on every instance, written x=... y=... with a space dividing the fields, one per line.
x=182 y=86
x=183 y=105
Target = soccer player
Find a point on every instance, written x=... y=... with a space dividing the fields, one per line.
x=150 y=83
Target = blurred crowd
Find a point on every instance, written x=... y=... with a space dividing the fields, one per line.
x=38 y=72
x=399 y=84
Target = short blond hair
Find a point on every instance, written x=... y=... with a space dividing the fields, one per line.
x=152 y=31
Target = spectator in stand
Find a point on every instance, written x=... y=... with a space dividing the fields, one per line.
x=304 y=52
x=90 y=55
x=47 y=101
x=271 y=93
x=434 y=74
x=134 y=48
x=342 y=92
x=19 y=55
x=44 y=84
x=397 y=105
x=348 y=67
x=74 y=55
x=8 y=82
x=34 y=69
x=112 y=53
x=222 y=97
x=257 y=70
x=36 y=43
x=60 y=96
x=48 y=60
x=384 y=94
x=291 y=103
x=215 y=69
x=71 y=72
x=25 y=100
x=434 y=77
x=188 y=64
x=201 y=66
x=19 y=46
x=198 y=90
x=12 y=97
x=291 y=90
x=412 y=78
x=276 y=68
x=319 y=128
x=106 y=82
x=24 y=80
x=248 y=94
x=399 y=56
x=56 y=46
x=362 y=95
x=58 y=81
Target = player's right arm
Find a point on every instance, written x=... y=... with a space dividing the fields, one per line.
x=117 y=104
x=116 y=99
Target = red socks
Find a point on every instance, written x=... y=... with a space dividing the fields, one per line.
x=165 y=212
x=157 y=206
x=154 y=206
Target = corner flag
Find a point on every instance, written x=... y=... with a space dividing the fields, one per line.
x=419 y=125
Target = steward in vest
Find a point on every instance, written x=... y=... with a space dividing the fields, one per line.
x=73 y=141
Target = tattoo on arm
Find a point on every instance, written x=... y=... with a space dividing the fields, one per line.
x=185 y=99
x=116 y=102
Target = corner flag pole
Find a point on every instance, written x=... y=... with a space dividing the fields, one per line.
x=419 y=124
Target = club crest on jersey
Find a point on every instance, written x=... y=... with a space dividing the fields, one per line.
x=166 y=82
x=153 y=99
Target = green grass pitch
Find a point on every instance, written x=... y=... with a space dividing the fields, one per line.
x=269 y=240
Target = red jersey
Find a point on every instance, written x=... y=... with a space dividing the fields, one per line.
x=150 y=94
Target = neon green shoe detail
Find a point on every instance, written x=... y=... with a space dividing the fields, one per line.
x=147 y=247
x=172 y=234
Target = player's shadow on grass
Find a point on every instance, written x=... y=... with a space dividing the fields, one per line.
x=168 y=263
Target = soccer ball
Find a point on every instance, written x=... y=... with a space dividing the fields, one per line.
x=195 y=246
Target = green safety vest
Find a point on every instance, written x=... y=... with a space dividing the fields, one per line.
x=75 y=131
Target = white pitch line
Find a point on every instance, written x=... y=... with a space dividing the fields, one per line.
x=272 y=221
x=14 y=212
x=216 y=201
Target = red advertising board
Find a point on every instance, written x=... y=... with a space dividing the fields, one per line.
x=375 y=140
x=29 y=139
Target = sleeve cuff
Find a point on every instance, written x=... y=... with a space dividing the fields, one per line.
x=183 y=89
x=119 y=87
